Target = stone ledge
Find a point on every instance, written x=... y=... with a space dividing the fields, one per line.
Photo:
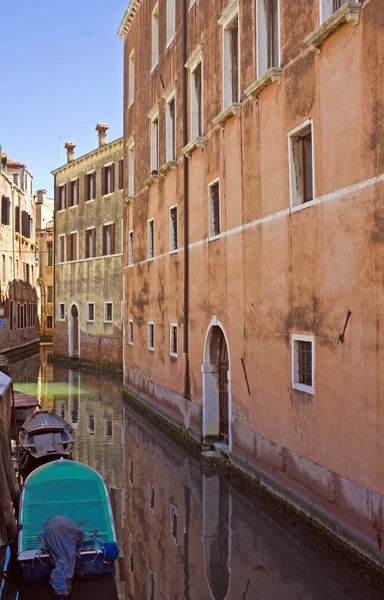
x=153 y=178
x=128 y=200
x=197 y=142
x=234 y=110
x=170 y=165
x=272 y=75
x=348 y=13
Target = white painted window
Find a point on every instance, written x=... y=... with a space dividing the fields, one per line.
x=173 y=231
x=303 y=363
x=328 y=7
x=131 y=169
x=214 y=208
x=61 y=316
x=130 y=332
x=108 y=312
x=130 y=249
x=151 y=238
x=170 y=116
x=231 y=54
x=151 y=336
x=268 y=35
x=171 y=20
x=61 y=251
x=151 y=496
x=173 y=522
x=131 y=77
x=173 y=340
x=155 y=36
x=301 y=164
x=90 y=312
x=155 y=143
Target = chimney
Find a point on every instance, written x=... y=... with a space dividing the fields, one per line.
x=101 y=129
x=70 y=148
x=41 y=196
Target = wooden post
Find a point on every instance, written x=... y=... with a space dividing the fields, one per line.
x=8 y=528
x=6 y=456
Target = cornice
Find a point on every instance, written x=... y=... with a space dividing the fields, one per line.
x=128 y=18
x=81 y=159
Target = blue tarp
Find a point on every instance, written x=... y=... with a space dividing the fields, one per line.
x=64 y=540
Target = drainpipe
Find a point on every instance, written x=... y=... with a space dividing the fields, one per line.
x=186 y=237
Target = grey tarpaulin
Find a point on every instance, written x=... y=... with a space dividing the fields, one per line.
x=63 y=539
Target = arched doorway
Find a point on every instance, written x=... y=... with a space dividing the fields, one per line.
x=74 y=331
x=216 y=386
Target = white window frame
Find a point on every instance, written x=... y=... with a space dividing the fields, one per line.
x=193 y=62
x=154 y=116
x=212 y=236
x=172 y=352
x=292 y=135
x=130 y=332
x=230 y=14
x=77 y=244
x=155 y=38
x=131 y=256
x=131 y=78
x=76 y=181
x=62 y=259
x=173 y=249
x=151 y=256
x=151 y=324
x=89 y=320
x=170 y=126
x=131 y=168
x=326 y=9
x=108 y=239
x=171 y=21
x=93 y=196
x=62 y=190
x=262 y=38
x=93 y=249
x=105 y=312
x=59 y=317
x=309 y=389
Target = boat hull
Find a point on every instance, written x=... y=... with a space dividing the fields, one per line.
x=87 y=566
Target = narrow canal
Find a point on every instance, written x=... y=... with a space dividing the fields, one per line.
x=186 y=533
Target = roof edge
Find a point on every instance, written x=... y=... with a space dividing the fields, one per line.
x=128 y=18
x=87 y=155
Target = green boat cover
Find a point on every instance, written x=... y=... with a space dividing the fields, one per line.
x=69 y=489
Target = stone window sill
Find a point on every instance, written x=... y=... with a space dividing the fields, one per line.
x=272 y=75
x=308 y=389
x=198 y=142
x=348 y=13
x=129 y=200
x=233 y=110
x=170 y=165
x=153 y=178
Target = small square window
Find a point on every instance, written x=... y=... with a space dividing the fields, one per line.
x=130 y=333
x=173 y=521
x=90 y=311
x=61 y=311
x=108 y=312
x=173 y=340
x=303 y=362
x=151 y=336
x=151 y=495
x=214 y=209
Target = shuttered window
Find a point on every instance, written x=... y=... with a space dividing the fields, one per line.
x=90 y=186
x=17 y=219
x=61 y=193
x=5 y=210
x=26 y=224
x=73 y=193
x=109 y=239
x=121 y=174
x=108 y=179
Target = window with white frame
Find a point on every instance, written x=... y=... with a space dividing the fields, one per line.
x=62 y=197
x=61 y=311
x=108 y=312
x=108 y=179
x=214 y=208
x=171 y=127
x=90 y=186
x=151 y=238
x=130 y=332
x=155 y=143
x=303 y=363
x=90 y=242
x=301 y=166
x=231 y=57
x=131 y=77
x=173 y=340
x=61 y=250
x=130 y=249
x=155 y=36
x=268 y=35
x=171 y=20
x=73 y=199
x=90 y=312
x=131 y=169
x=328 y=7
x=173 y=241
x=173 y=521
x=196 y=98
x=151 y=336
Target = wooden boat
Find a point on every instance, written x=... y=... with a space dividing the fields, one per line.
x=77 y=492
x=44 y=437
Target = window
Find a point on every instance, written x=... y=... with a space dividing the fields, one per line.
x=49 y=322
x=130 y=332
x=90 y=311
x=173 y=228
x=130 y=249
x=11 y=315
x=197 y=101
x=26 y=224
x=151 y=496
x=155 y=36
x=173 y=521
x=49 y=254
x=17 y=219
x=61 y=257
x=231 y=54
x=73 y=199
x=62 y=197
x=155 y=144
x=171 y=128
x=72 y=246
x=173 y=340
x=151 y=336
x=5 y=211
x=328 y=7
x=16 y=179
x=108 y=179
x=303 y=362
x=108 y=428
x=27 y=278
x=90 y=242
x=151 y=585
x=131 y=78
x=90 y=186
x=151 y=238
x=121 y=174
x=3 y=269
x=108 y=312
x=50 y=293
x=171 y=20
x=130 y=470
x=131 y=169
x=108 y=239
x=214 y=209
x=301 y=170
x=61 y=311
x=268 y=35
x=17 y=269
x=90 y=423
x=32 y=278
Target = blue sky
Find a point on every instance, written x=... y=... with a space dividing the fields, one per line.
x=61 y=73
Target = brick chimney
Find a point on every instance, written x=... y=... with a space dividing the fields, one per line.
x=101 y=129
x=70 y=148
x=41 y=196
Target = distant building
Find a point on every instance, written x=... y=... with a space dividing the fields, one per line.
x=88 y=255
x=44 y=236
x=19 y=329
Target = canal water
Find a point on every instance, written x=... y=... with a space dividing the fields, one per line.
x=185 y=532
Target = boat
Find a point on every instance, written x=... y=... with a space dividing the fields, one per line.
x=70 y=492
x=44 y=437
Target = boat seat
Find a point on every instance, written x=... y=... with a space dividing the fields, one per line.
x=48 y=442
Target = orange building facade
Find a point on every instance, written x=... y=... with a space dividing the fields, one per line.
x=254 y=241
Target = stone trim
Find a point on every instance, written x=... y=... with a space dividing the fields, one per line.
x=227 y=12
x=272 y=75
x=153 y=178
x=128 y=18
x=348 y=13
x=233 y=110
x=102 y=149
x=197 y=142
x=170 y=165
